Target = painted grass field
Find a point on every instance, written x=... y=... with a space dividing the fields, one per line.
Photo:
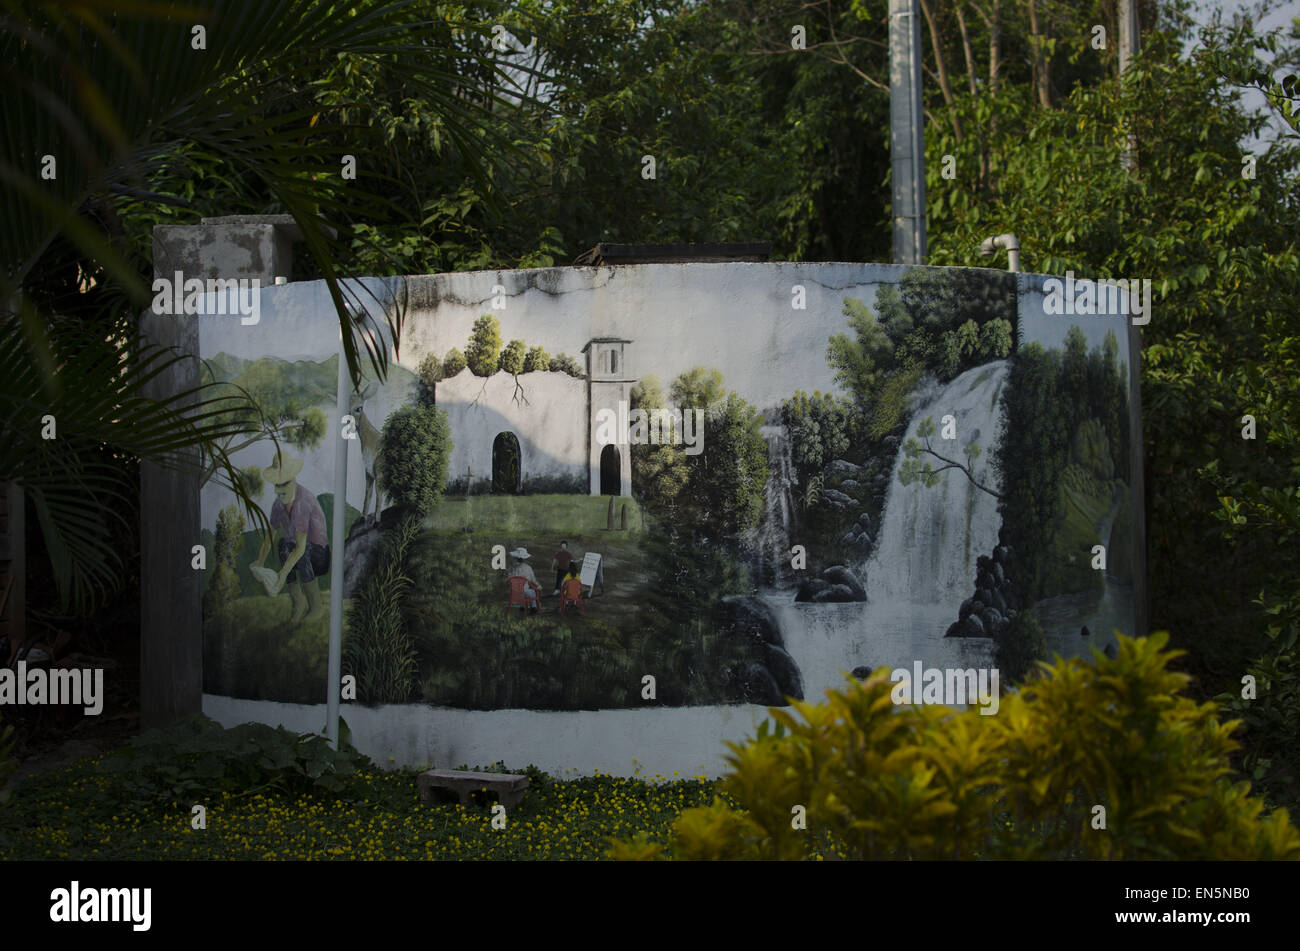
x=253 y=652
x=532 y=514
x=461 y=645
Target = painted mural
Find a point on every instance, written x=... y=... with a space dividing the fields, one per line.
x=597 y=488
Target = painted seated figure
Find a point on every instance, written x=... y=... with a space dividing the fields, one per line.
x=571 y=590
x=523 y=583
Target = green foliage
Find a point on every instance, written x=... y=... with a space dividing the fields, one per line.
x=1272 y=725
x=812 y=492
x=691 y=579
x=224 y=586
x=453 y=363
x=229 y=536
x=1220 y=249
x=484 y=351
x=659 y=472
x=197 y=761
x=82 y=813
x=1065 y=438
x=92 y=379
x=883 y=780
x=249 y=128
x=251 y=479
x=697 y=388
x=7 y=762
x=1032 y=457
x=429 y=373
x=888 y=412
x=860 y=361
x=1020 y=647
x=378 y=648
x=254 y=650
x=820 y=429
x=718 y=491
x=513 y=357
x=915 y=468
x=412 y=468
x=1090 y=450
x=995 y=341
x=563 y=363
x=269 y=400
x=942 y=322
x=537 y=359
x=726 y=481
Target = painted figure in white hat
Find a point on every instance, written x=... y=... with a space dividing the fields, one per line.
x=298 y=532
x=523 y=569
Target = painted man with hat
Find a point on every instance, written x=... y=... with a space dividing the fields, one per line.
x=298 y=531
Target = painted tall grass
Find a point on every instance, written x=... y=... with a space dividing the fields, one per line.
x=377 y=648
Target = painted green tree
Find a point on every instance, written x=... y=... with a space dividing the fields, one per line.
x=659 y=472
x=413 y=466
x=224 y=586
x=725 y=487
x=513 y=357
x=453 y=363
x=483 y=354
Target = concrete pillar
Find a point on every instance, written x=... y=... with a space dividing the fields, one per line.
x=171 y=622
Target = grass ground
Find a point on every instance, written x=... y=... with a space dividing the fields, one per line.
x=560 y=515
x=255 y=652
x=76 y=814
x=626 y=568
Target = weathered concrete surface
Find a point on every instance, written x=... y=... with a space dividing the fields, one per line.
x=171 y=622
x=509 y=788
x=651 y=742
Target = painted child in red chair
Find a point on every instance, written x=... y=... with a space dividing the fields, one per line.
x=571 y=590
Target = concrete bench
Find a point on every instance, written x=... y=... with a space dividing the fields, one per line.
x=508 y=787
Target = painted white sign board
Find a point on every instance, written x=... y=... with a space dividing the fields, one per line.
x=590 y=565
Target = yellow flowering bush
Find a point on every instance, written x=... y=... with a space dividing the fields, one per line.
x=1101 y=759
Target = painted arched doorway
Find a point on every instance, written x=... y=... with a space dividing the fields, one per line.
x=506 y=475
x=611 y=471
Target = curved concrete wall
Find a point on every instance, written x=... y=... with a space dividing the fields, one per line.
x=649 y=743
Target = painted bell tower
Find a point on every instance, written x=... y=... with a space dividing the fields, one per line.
x=609 y=386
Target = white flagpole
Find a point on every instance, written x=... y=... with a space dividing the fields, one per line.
x=336 y=557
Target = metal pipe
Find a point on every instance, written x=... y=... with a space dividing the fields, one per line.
x=990 y=246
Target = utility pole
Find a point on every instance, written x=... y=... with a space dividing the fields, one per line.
x=906 y=131
x=1128 y=47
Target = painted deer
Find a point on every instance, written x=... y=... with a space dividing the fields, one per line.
x=371 y=447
